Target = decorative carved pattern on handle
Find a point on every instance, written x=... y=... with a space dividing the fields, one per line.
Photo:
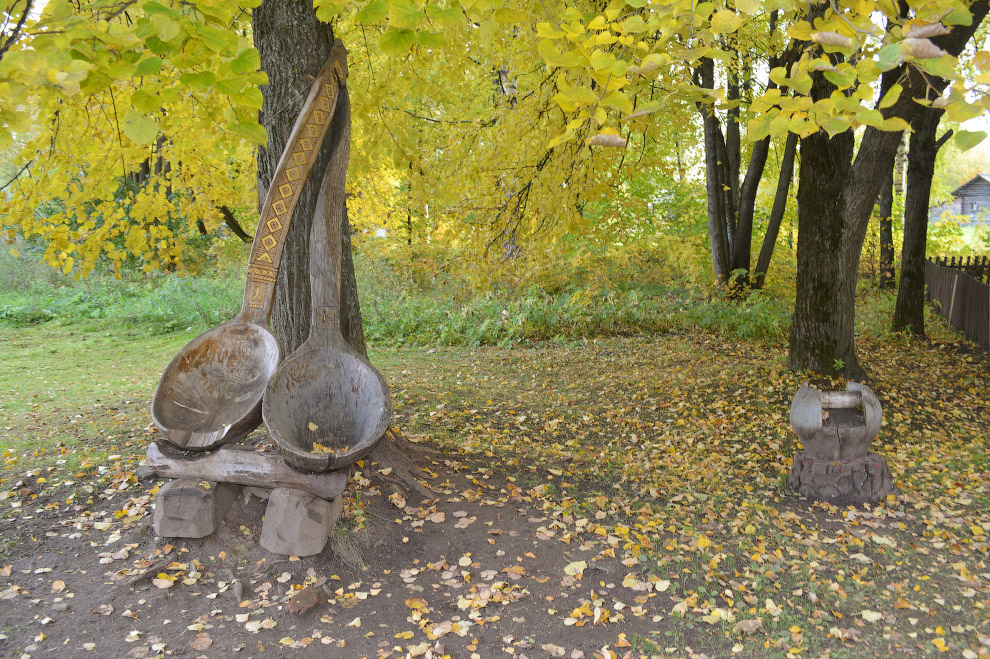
x=293 y=171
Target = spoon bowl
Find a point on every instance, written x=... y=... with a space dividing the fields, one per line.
x=211 y=391
x=326 y=409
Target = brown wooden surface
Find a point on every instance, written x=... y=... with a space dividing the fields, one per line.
x=961 y=299
x=210 y=393
x=326 y=392
x=244 y=466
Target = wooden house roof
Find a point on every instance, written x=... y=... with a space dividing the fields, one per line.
x=979 y=179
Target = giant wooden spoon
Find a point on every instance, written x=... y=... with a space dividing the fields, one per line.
x=326 y=405
x=210 y=394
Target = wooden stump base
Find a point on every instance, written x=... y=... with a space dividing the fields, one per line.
x=189 y=508
x=842 y=482
x=298 y=523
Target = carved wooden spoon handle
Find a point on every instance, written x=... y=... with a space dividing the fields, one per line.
x=293 y=169
x=324 y=245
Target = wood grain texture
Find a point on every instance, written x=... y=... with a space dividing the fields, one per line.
x=297 y=523
x=210 y=393
x=326 y=406
x=191 y=508
x=244 y=466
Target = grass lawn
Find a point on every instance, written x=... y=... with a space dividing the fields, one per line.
x=614 y=497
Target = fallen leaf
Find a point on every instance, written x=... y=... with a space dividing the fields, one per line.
x=201 y=642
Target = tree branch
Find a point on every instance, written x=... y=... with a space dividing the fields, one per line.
x=231 y=222
x=16 y=32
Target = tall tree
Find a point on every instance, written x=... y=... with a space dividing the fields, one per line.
x=909 y=312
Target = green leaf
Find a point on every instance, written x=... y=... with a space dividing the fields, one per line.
x=889 y=57
x=201 y=80
x=152 y=7
x=560 y=139
x=891 y=96
x=149 y=66
x=725 y=22
x=145 y=102
x=549 y=31
x=598 y=23
x=645 y=109
x=619 y=101
x=231 y=85
x=966 y=139
x=139 y=128
x=329 y=12
x=214 y=38
x=246 y=61
x=396 y=42
x=843 y=78
x=959 y=15
x=870 y=117
x=801 y=83
x=894 y=125
x=601 y=60
x=373 y=12
x=430 y=39
x=444 y=16
x=835 y=125
x=249 y=98
x=579 y=94
x=166 y=28
x=633 y=25
x=251 y=131
x=404 y=15
x=749 y=6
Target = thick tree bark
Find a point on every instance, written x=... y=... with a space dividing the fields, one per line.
x=293 y=46
x=777 y=212
x=885 y=209
x=909 y=313
x=818 y=309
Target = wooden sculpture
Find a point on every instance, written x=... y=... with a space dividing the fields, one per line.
x=836 y=429
x=326 y=405
x=211 y=392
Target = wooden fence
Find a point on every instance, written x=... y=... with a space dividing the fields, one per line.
x=977 y=267
x=961 y=298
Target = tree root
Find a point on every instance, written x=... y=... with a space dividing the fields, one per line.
x=401 y=455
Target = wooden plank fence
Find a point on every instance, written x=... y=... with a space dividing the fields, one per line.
x=963 y=299
x=977 y=267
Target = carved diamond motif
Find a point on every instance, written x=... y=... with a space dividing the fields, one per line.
x=268 y=241
x=299 y=157
x=279 y=207
x=274 y=225
x=306 y=144
x=292 y=174
x=285 y=189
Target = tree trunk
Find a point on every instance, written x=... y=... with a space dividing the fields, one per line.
x=885 y=209
x=777 y=212
x=818 y=308
x=909 y=313
x=293 y=46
